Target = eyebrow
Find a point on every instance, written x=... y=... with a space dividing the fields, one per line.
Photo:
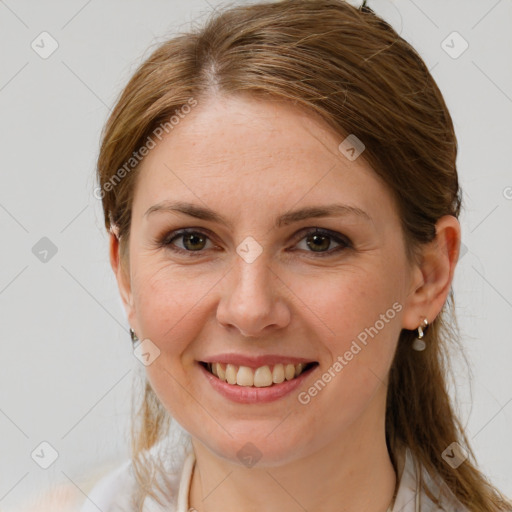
x=204 y=213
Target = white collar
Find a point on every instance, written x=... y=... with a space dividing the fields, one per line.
x=186 y=478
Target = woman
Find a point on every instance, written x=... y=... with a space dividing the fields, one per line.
x=282 y=199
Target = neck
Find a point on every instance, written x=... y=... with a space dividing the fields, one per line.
x=354 y=472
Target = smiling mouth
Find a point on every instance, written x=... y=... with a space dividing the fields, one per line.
x=262 y=377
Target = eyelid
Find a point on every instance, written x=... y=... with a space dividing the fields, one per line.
x=322 y=231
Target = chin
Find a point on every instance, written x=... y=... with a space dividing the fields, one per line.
x=256 y=449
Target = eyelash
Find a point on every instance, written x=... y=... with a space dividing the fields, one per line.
x=167 y=240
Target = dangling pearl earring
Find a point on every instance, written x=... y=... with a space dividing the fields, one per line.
x=419 y=344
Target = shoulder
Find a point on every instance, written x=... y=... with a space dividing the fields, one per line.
x=116 y=490
x=102 y=489
x=447 y=499
x=412 y=495
x=112 y=492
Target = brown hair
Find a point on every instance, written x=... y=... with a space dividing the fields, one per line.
x=351 y=68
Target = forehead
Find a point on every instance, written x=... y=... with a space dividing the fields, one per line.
x=227 y=132
x=240 y=150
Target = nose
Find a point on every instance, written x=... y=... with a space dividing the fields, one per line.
x=253 y=299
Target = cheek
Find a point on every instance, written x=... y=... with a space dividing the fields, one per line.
x=169 y=312
x=362 y=312
x=350 y=304
x=360 y=324
x=168 y=299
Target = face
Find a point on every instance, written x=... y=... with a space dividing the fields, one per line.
x=255 y=292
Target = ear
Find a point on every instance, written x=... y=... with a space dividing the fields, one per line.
x=122 y=276
x=432 y=277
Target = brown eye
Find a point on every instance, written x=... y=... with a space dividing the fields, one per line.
x=319 y=240
x=192 y=241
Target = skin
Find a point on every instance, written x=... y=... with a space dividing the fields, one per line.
x=252 y=161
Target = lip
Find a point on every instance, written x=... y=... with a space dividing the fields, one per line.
x=255 y=361
x=253 y=395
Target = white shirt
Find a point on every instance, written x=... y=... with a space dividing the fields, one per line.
x=112 y=492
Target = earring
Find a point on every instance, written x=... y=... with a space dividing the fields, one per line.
x=133 y=336
x=419 y=344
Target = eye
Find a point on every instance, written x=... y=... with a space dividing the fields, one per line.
x=192 y=241
x=321 y=239
x=318 y=240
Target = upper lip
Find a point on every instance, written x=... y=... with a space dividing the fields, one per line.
x=255 y=361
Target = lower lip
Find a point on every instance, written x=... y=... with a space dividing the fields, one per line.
x=253 y=395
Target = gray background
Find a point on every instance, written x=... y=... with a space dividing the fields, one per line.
x=66 y=361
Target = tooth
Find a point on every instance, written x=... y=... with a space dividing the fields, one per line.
x=231 y=373
x=289 y=371
x=262 y=377
x=278 y=373
x=221 y=372
x=245 y=376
